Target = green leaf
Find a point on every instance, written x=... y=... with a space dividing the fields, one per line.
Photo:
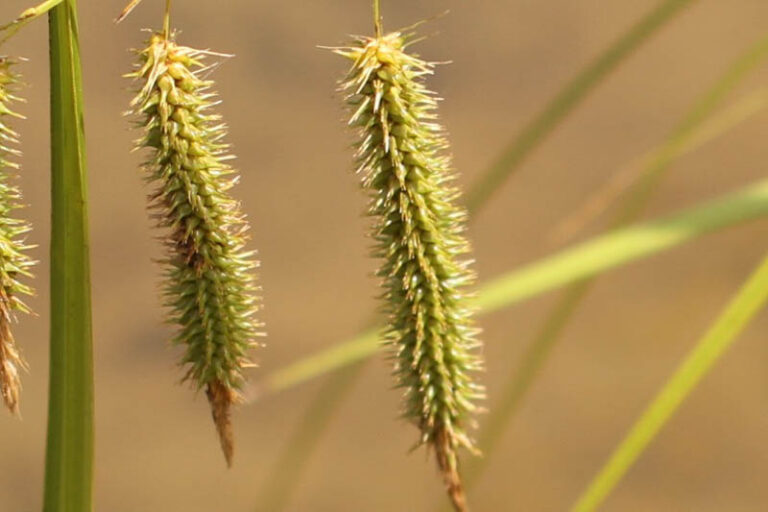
x=574 y=264
x=708 y=351
x=568 y=99
x=69 y=457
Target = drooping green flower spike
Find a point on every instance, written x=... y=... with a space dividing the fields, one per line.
x=403 y=159
x=209 y=287
x=15 y=263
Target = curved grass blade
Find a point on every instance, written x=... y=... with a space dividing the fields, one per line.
x=69 y=456
x=581 y=261
x=568 y=99
x=745 y=305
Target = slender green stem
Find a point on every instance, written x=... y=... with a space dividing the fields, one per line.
x=69 y=457
x=167 y=20
x=377 y=23
x=534 y=133
x=749 y=301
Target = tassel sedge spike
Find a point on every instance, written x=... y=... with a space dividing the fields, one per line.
x=209 y=288
x=402 y=157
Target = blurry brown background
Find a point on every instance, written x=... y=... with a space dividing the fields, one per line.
x=156 y=450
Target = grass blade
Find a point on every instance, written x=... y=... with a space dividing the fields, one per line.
x=742 y=309
x=69 y=457
x=568 y=99
x=582 y=261
x=620 y=247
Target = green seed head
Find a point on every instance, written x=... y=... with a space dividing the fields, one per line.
x=402 y=158
x=15 y=263
x=209 y=288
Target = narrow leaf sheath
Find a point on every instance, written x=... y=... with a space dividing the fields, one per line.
x=15 y=263
x=402 y=158
x=209 y=288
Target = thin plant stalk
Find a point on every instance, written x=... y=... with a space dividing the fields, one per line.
x=69 y=456
x=743 y=308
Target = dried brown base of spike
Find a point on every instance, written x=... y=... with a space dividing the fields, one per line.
x=448 y=463
x=221 y=398
x=11 y=363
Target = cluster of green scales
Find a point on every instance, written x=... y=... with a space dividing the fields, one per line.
x=210 y=291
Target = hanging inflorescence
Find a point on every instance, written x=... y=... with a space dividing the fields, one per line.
x=419 y=234
x=14 y=260
x=209 y=287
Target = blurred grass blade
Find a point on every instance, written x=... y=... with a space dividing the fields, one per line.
x=650 y=177
x=601 y=200
x=713 y=98
x=327 y=360
x=567 y=99
x=742 y=309
x=620 y=247
x=584 y=260
x=69 y=457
